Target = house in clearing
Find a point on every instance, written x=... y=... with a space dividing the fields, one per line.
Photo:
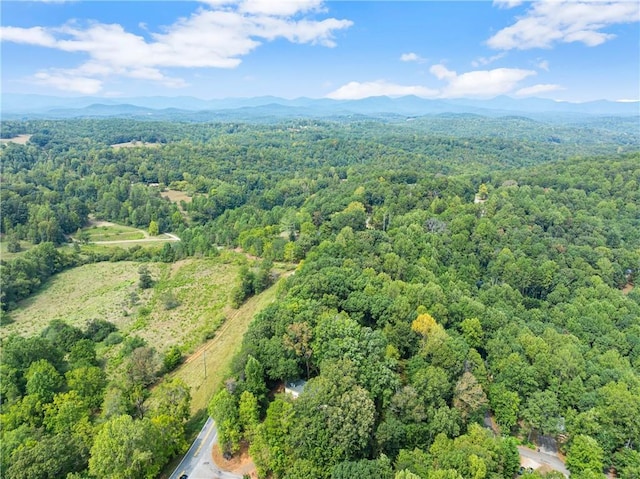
x=295 y=388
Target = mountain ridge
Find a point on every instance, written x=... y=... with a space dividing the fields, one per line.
x=42 y=106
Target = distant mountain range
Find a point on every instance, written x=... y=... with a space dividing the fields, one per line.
x=186 y=108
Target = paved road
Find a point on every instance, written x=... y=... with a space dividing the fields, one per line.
x=542 y=458
x=198 y=463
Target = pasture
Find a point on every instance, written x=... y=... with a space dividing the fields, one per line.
x=112 y=232
x=109 y=291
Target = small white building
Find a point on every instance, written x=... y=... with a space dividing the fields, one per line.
x=295 y=388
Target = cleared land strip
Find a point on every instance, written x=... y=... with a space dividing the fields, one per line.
x=166 y=237
x=206 y=368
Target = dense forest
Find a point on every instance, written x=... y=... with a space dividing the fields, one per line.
x=450 y=268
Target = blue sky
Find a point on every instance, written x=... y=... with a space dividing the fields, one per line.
x=562 y=49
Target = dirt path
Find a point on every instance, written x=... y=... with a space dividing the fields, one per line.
x=205 y=369
x=225 y=326
x=147 y=239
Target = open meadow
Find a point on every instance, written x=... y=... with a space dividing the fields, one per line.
x=185 y=306
x=207 y=367
x=6 y=255
x=112 y=232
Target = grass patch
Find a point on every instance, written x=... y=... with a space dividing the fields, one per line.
x=91 y=291
x=24 y=246
x=176 y=196
x=113 y=233
x=201 y=289
x=110 y=291
x=205 y=370
x=19 y=140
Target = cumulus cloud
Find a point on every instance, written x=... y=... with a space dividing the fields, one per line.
x=507 y=3
x=411 y=57
x=483 y=61
x=548 y=22
x=537 y=89
x=479 y=83
x=280 y=7
x=214 y=37
x=442 y=73
x=38 y=36
x=269 y=7
x=356 y=90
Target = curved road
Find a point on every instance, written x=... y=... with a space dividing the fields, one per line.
x=198 y=462
x=542 y=458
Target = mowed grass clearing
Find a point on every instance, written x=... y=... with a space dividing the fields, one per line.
x=113 y=232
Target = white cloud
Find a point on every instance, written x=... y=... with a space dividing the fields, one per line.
x=537 y=89
x=285 y=8
x=507 y=3
x=411 y=57
x=279 y=7
x=543 y=65
x=479 y=83
x=483 y=61
x=33 y=36
x=565 y=21
x=214 y=37
x=356 y=90
x=62 y=80
x=442 y=73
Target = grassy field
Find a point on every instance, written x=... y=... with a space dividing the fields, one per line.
x=110 y=291
x=4 y=254
x=199 y=319
x=207 y=367
x=92 y=291
x=176 y=196
x=201 y=288
x=113 y=233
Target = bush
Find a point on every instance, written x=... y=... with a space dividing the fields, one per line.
x=98 y=329
x=132 y=343
x=172 y=359
x=145 y=281
x=113 y=338
x=169 y=301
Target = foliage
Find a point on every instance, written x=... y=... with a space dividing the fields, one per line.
x=412 y=310
x=585 y=455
